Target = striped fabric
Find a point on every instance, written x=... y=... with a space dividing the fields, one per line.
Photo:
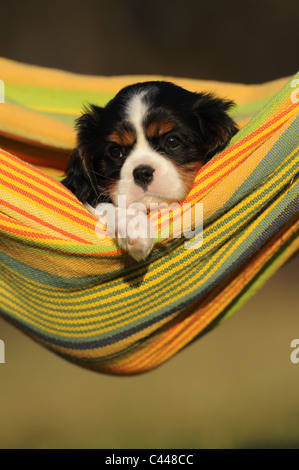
x=74 y=291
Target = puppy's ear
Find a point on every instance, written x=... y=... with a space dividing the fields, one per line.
x=215 y=125
x=79 y=180
x=80 y=177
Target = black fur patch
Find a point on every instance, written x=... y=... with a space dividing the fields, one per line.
x=200 y=123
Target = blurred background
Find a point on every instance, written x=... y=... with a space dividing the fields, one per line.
x=236 y=386
x=249 y=42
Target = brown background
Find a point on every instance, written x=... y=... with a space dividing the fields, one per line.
x=238 y=41
x=236 y=387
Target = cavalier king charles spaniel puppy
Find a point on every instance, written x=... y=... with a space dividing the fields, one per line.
x=147 y=145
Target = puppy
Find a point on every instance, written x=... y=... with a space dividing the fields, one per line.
x=146 y=145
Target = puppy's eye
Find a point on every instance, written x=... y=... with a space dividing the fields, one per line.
x=116 y=152
x=173 y=142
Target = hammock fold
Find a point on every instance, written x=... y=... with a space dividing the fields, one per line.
x=74 y=291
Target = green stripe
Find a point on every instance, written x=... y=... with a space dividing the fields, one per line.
x=246 y=110
x=32 y=96
x=252 y=287
x=192 y=280
x=206 y=251
x=161 y=298
x=268 y=111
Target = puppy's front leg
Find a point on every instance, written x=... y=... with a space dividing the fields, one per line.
x=130 y=226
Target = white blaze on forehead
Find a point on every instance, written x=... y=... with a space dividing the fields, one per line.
x=167 y=183
x=136 y=111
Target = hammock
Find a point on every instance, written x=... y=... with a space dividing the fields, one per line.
x=78 y=294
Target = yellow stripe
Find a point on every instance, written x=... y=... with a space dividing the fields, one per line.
x=50 y=110
x=45 y=198
x=18 y=73
x=19 y=164
x=181 y=336
x=34 y=127
x=80 y=330
x=124 y=295
x=155 y=293
x=165 y=299
x=52 y=215
x=169 y=343
x=248 y=200
x=213 y=166
x=217 y=162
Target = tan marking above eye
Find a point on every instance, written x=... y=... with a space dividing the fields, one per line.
x=123 y=138
x=158 y=128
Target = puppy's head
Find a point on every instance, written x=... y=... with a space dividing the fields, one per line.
x=147 y=144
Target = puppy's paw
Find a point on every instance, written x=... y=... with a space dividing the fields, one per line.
x=138 y=248
x=136 y=237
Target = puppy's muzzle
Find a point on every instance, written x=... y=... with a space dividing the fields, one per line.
x=143 y=175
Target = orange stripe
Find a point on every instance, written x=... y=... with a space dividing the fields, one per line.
x=44 y=223
x=48 y=205
x=56 y=250
x=207 y=174
x=205 y=189
x=27 y=233
x=29 y=185
x=224 y=164
x=30 y=175
x=49 y=183
x=6 y=232
x=25 y=164
x=157 y=216
x=231 y=293
x=201 y=318
x=200 y=314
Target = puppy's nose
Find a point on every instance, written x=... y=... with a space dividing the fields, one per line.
x=143 y=175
